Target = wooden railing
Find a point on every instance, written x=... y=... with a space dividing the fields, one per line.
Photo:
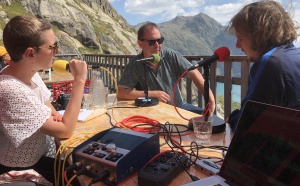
x=116 y=64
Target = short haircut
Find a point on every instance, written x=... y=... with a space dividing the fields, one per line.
x=143 y=28
x=266 y=23
x=22 y=32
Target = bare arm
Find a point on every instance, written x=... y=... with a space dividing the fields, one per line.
x=198 y=80
x=56 y=115
x=66 y=127
x=131 y=94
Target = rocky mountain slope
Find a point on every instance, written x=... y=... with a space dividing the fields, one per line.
x=85 y=26
x=196 y=35
x=81 y=26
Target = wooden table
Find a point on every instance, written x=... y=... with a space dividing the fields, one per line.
x=57 y=77
x=162 y=113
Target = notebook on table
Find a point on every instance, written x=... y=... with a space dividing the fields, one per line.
x=265 y=149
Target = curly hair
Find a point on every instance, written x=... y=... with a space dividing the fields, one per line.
x=266 y=23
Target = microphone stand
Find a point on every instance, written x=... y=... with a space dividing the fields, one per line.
x=146 y=101
x=218 y=123
x=206 y=88
x=146 y=87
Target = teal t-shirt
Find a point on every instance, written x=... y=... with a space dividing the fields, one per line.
x=172 y=65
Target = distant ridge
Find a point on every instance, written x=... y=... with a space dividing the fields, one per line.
x=196 y=35
x=96 y=27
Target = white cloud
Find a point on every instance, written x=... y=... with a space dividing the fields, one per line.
x=223 y=13
x=297 y=13
x=167 y=9
x=145 y=7
x=297 y=19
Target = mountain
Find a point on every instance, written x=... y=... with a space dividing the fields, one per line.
x=85 y=26
x=196 y=35
x=81 y=26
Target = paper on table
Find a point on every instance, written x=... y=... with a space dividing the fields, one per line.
x=86 y=115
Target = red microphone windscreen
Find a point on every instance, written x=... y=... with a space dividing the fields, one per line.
x=223 y=53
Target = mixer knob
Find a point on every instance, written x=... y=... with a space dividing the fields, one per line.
x=111 y=147
x=95 y=145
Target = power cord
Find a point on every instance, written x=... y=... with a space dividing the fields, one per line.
x=74 y=166
x=103 y=175
x=83 y=170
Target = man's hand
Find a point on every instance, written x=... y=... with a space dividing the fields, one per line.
x=212 y=106
x=161 y=95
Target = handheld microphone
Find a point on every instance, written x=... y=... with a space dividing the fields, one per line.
x=155 y=58
x=221 y=54
x=62 y=66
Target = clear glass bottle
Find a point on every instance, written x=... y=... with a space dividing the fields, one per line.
x=97 y=90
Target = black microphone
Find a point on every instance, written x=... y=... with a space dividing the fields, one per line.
x=221 y=54
x=62 y=66
x=147 y=101
x=155 y=58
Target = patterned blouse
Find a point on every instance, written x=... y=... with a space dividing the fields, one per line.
x=22 y=113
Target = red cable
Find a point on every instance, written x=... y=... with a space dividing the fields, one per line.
x=173 y=98
x=132 y=121
x=173 y=94
x=66 y=178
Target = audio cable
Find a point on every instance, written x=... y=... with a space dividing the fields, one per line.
x=103 y=175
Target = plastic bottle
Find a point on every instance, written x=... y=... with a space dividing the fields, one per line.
x=97 y=90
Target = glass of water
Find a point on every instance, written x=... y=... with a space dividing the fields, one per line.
x=87 y=101
x=202 y=129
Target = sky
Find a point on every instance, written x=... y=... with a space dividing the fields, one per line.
x=158 y=11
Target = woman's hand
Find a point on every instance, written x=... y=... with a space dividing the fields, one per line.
x=56 y=116
x=78 y=69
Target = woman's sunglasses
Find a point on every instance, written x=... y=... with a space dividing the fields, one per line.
x=54 y=47
x=152 y=42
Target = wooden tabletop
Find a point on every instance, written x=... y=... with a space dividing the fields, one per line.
x=162 y=113
x=54 y=77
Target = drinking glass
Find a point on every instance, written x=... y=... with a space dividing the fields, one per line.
x=202 y=129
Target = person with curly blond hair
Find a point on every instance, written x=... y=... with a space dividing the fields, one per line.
x=266 y=32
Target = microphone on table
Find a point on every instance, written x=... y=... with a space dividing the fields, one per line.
x=155 y=58
x=147 y=101
x=220 y=54
x=62 y=66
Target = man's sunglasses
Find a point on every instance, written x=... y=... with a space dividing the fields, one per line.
x=152 y=42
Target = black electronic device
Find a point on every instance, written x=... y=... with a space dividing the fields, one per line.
x=219 y=125
x=146 y=102
x=162 y=170
x=264 y=149
x=208 y=167
x=120 y=152
x=61 y=102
